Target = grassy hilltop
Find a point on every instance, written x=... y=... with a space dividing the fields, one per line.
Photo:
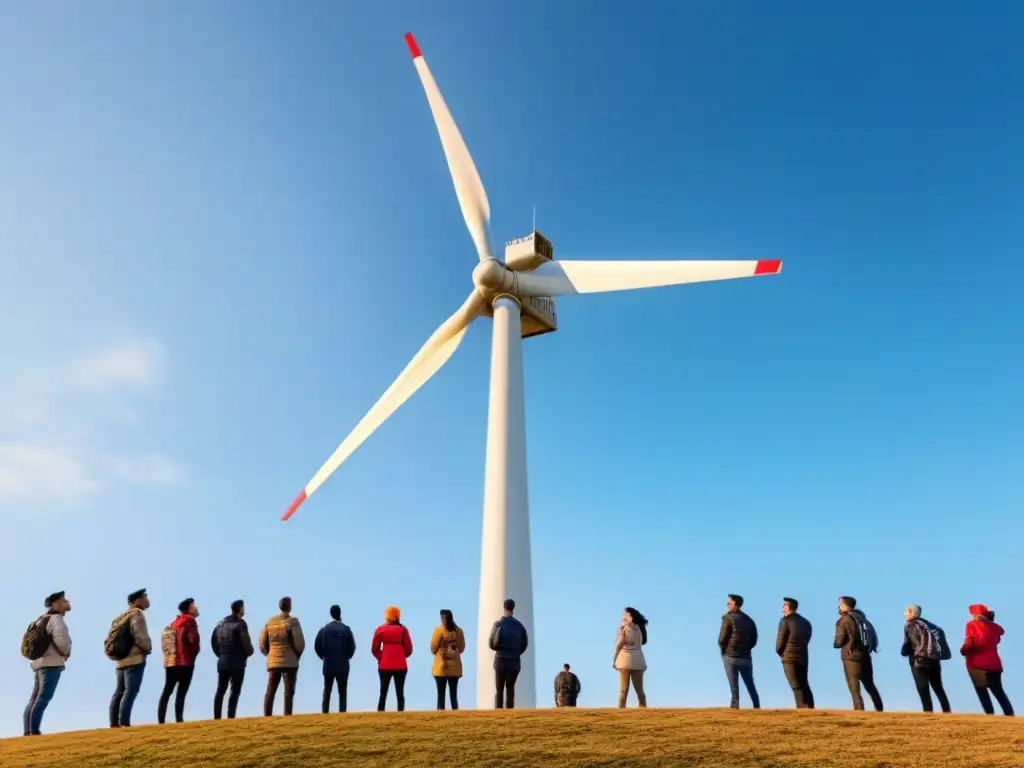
x=544 y=739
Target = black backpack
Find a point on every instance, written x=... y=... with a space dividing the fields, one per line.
x=938 y=648
x=867 y=638
x=36 y=640
x=120 y=640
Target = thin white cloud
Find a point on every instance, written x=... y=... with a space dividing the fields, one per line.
x=56 y=427
x=132 y=363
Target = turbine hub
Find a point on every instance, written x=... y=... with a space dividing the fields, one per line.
x=489 y=276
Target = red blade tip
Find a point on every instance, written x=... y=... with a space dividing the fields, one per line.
x=769 y=267
x=413 y=48
x=295 y=505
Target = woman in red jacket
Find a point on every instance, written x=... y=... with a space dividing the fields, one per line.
x=981 y=638
x=391 y=647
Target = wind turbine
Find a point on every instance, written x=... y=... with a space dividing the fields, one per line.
x=518 y=296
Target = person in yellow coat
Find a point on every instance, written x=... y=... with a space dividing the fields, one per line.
x=447 y=644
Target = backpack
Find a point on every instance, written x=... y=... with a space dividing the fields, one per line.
x=938 y=648
x=120 y=640
x=169 y=645
x=36 y=640
x=867 y=638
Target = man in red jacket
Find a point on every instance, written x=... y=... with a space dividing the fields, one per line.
x=180 y=644
x=981 y=638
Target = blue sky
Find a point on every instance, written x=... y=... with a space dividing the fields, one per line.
x=225 y=232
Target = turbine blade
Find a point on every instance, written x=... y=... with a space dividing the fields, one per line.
x=559 y=278
x=428 y=361
x=468 y=187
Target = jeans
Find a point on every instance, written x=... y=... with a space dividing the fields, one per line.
x=386 y=676
x=339 y=679
x=734 y=670
x=236 y=677
x=43 y=688
x=627 y=676
x=984 y=682
x=290 y=675
x=175 y=677
x=452 y=684
x=129 y=681
x=796 y=676
x=858 y=672
x=929 y=673
x=505 y=683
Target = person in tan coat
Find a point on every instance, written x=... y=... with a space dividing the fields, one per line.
x=281 y=641
x=629 y=655
x=447 y=645
x=131 y=668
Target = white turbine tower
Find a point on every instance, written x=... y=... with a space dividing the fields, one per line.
x=517 y=294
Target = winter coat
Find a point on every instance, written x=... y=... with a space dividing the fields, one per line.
x=281 y=641
x=567 y=689
x=981 y=637
x=336 y=645
x=793 y=638
x=738 y=635
x=186 y=642
x=59 y=649
x=848 y=641
x=917 y=642
x=231 y=644
x=629 y=652
x=143 y=645
x=447 y=648
x=391 y=646
x=509 y=641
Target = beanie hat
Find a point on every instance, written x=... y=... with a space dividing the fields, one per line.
x=978 y=609
x=391 y=613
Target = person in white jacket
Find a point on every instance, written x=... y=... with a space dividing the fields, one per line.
x=50 y=665
x=629 y=655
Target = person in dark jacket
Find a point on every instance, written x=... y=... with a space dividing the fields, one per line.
x=925 y=664
x=232 y=646
x=736 y=638
x=567 y=688
x=180 y=653
x=856 y=657
x=336 y=645
x=791 y=644
x=509 y=642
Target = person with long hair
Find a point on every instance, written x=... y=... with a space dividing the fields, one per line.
x=981 y=638
x=629 y=655
x=391 y=646
x=447 y=645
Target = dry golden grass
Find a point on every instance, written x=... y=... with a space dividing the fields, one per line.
x=544 y=739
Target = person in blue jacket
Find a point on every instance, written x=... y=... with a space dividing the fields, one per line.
x=336 y=645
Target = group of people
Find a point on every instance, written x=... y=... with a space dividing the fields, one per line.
x=46 y=643
x=924 y=645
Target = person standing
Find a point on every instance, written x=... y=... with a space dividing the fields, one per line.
x=130 y=667
x=980 y=649
x=567 y=688
x=180 y=645
x=791 y=643
x=736 y=638
x=232 y=646
x=391 y=647
x=856 y=640
x=509 y=641
x=925 y=644
x=447 y=644
x=336 y=645
x=47 y=645
x=281 y=641
x=630 y=661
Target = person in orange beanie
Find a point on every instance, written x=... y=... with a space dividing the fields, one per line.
x=391 y=646
x=981 y=638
